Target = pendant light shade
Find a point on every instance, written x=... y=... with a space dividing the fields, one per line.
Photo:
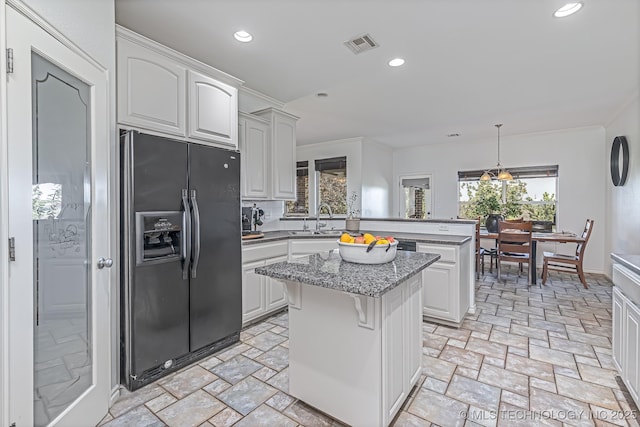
x=501 y=174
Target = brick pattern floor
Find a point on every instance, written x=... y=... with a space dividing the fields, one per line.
x=529 y=356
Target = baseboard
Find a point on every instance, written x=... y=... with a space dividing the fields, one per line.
x=115 y=394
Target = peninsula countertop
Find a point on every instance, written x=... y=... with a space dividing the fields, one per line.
x=440 y=239
x=328 y=270
x=632 y=261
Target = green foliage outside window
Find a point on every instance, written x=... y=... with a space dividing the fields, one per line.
x=481 y=198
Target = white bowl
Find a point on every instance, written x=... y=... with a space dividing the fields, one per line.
x=357 y=252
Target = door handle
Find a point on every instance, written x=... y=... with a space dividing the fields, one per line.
x=186 y=235
x=196 y=234
x=105 y=262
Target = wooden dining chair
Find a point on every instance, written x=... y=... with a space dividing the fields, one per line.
x=479 y=252
x=514 y=244
x=568 y=263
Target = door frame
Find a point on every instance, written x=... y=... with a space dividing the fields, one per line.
x=4 y=229
x=401 y=192
x=106 y=186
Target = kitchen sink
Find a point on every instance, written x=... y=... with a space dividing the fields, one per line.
x=315 y=233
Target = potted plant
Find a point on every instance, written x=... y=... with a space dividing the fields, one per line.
x=489 y=206
x=352 y=223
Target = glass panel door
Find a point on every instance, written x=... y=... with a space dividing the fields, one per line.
x=61 y=213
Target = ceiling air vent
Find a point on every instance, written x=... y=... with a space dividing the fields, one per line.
x=361 y=43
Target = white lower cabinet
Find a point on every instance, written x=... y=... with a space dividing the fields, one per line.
x=631 y=373
x=261 y=295
x=617 y=327
x=253 y=287
x=276 y=297
x=626 y=328
x=445 y=295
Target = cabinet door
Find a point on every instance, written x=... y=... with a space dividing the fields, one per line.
x=617 y=331
x=276 y=297
x=395 y=349
x=631 y=362
x=413 y=330
x=213 y=110
x=151 y=90
x=253 y=291
x=253 y=143
x=438 y=291
x=283 y=155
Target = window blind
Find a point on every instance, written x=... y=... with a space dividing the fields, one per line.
x=416 y=182
x=517 y=173
x=334 y=163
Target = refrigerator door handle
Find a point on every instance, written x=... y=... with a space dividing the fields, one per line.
x=196 y=234
x=186 y=234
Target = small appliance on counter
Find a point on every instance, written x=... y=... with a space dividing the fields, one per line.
x=251 y=219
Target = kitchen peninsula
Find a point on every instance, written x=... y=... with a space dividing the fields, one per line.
x=355 y=333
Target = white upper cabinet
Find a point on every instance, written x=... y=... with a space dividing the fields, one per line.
x=164 y=91
x=213 y=110
x=253 y=142
x=283 y=152
x=151 y=90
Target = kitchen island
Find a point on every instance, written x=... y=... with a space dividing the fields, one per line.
x=355 y=333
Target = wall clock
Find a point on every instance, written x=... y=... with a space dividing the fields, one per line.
x=619 y=160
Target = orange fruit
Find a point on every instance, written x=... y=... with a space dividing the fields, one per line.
x=368 y=238
x=346 y=238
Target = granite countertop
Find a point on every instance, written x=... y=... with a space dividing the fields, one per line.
x=442 y=239
x=327 y=269
x=441 y=220
x=632 y=262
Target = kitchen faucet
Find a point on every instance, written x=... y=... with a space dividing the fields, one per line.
x=318 y=224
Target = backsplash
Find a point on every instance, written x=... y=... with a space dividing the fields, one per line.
x=272 y=212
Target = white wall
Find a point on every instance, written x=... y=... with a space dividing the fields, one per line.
x=90 y=24
x=623 y=203
x=578 y=153
x=377 y=180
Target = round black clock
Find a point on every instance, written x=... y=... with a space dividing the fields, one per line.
x=619 y=166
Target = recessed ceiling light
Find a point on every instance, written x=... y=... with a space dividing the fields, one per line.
x=243 y=36
x=396 y=62
x=568 y=9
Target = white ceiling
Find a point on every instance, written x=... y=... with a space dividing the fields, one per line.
x=469 y=63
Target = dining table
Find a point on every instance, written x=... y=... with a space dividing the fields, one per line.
x=557 y=237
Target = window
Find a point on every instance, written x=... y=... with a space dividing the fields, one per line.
x=301 y=204
x=331 y=183
x=415 y=197
x=531 y=195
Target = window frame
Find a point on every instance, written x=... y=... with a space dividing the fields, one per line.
x=521 y=173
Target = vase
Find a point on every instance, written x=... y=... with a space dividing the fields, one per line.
x=352 y=224
x=492 y=222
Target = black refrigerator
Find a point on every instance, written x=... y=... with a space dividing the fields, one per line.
x=181 y=277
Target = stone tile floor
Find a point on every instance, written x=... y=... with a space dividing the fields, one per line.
x=529 y=356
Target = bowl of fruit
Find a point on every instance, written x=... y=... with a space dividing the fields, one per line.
x=367 y=248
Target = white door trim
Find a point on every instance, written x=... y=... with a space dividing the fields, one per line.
x=102 y=151
x=4 y=230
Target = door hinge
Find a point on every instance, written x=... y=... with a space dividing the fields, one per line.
x=9 y=60
x=12 y=248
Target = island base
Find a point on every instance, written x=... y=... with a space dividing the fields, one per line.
x=355 y=357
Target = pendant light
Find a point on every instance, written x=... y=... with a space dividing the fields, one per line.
x=501 y=173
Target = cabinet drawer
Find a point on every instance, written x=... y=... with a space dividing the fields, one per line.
x=264 y=251
x=447 y=253
x=628 y=282
x=312 y=246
